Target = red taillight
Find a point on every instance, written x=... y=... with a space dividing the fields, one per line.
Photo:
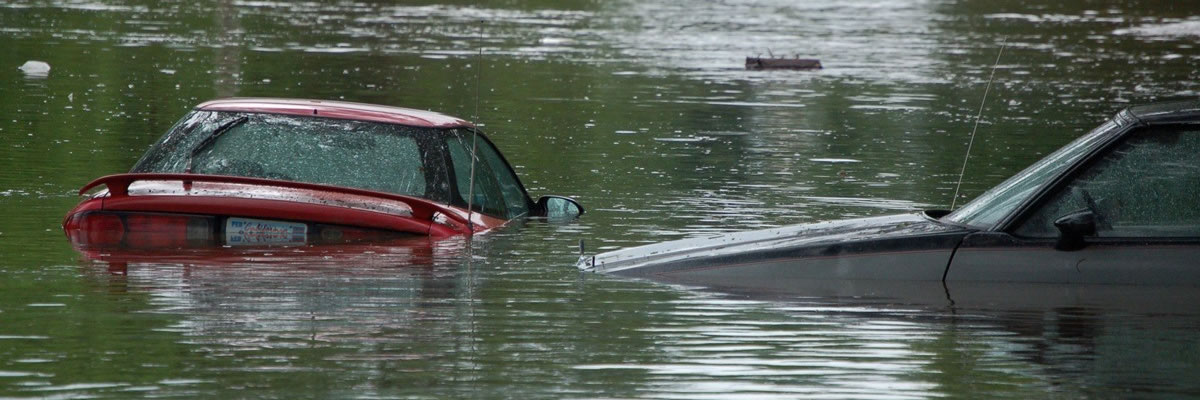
x=102 y=229
x=159 y=231
x=140 y=230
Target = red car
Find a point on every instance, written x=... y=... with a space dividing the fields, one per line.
x=260 y=171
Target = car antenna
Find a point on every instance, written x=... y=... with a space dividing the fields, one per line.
x=474 y=135
x=970 y=143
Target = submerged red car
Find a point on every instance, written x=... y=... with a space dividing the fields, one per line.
x=261 y=171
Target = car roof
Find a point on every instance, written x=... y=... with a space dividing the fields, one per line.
x=1168 y=112
x=336 y=109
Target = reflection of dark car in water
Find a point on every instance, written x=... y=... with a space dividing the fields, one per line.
x=281 y=171
x=1119 y=205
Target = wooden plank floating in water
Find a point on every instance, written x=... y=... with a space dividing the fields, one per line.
x=782 y=63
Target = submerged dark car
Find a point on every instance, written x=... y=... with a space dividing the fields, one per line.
x=1119 y=205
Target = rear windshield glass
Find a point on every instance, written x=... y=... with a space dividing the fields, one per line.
x=366 y=155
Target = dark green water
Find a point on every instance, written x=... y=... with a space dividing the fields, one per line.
x=643 y=112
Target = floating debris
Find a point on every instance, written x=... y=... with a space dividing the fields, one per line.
x=782 y=63
x=35 y=68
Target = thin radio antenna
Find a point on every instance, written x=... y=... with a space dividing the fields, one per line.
x=970 y=143
x=474 y=135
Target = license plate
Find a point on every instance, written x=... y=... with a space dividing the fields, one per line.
x=246 y=231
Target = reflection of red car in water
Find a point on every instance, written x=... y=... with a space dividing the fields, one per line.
x=282 y=171
x=374 y=255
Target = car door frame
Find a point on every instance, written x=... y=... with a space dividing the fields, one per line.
x=458 y=199
x=998 y=255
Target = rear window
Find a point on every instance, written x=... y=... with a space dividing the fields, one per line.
x=366 y=155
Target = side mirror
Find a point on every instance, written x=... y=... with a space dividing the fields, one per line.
x=1072 y=228
x=558 y=207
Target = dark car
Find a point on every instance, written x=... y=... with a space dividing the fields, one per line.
x=1119 y=205
x=261 y=171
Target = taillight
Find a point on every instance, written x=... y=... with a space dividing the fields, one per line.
x=137 y=230
x=159 y=231
x=101 y=229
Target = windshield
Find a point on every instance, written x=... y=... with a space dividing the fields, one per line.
x=992 y=206
x=367 y=155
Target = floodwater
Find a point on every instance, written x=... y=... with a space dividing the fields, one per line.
x=641 y=110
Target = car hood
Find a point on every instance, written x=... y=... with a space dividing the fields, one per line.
x=794 y=236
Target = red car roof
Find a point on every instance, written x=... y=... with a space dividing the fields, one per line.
x=336 y=109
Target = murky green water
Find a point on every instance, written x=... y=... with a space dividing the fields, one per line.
x=643 y=112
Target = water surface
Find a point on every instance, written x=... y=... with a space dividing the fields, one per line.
x=643 y=112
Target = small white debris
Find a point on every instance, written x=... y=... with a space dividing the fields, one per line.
x=35 y=68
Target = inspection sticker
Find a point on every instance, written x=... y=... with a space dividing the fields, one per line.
x=246 y=231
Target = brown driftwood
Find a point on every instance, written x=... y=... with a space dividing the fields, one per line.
x=782 y=63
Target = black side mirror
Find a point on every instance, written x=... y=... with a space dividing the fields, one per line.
x=558 y=208
x=1072 y=228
